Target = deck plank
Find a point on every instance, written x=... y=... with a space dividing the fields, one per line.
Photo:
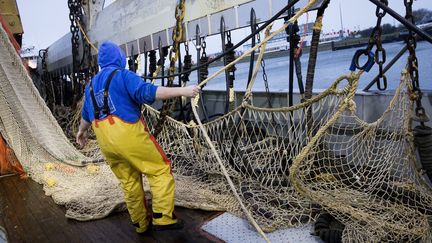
x=11 y=222
x=30 y=216
x=52 y=216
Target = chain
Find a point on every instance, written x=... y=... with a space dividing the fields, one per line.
x=78 y=78
x=228 y=34
x=408 y=7
x=412 y=45
x=186 y=46
x=75 y=14
x=187 y=63
x=380 y=53
x=230 y=55
x=204 y=59
x=203 y=46
x=177 y=37
x=133 y=61
x=264 y=75
x=413 y=67
x=152 y=62
x=163 y=52
x=45 y=78
x=230 y=72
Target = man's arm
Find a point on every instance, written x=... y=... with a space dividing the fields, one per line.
x=163 y=93
x=146 y=93
x=81 y=137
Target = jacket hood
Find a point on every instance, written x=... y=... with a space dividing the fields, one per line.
x=110 y=54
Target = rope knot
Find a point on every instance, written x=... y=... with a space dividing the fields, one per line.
x=247 y=97
x=352 y=106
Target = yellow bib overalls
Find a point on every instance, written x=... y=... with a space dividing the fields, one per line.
x=131 y=151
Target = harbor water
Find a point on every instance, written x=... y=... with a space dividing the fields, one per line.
x=330 y=65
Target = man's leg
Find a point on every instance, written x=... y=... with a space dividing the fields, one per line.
x=152 y=161
x=157 y=169
x=131 y=183
x=162 y=188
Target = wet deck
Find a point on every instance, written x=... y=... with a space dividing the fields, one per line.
x=30 y=216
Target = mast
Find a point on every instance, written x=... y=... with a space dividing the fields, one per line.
x=341 y=20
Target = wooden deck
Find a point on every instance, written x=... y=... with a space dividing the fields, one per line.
x=30 y=216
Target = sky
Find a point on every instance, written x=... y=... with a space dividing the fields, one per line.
x=45 y=21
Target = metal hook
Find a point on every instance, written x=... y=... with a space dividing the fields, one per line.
x=355 y=63
x=222 y=29
x=253 y=19
x=161 y=54
x=198 y=36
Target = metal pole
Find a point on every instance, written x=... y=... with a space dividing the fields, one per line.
x=291 y=60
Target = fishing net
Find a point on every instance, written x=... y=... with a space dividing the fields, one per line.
x=257 y=147
x=288 y=163
x=280 y=166
x=45 y=153
x=365 y=173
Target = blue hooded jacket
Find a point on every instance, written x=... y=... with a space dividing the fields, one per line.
x=127 y=90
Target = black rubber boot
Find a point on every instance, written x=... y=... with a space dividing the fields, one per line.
x=176 y=226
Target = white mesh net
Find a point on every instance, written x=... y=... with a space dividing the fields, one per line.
x=257 y=147
x=286 y=164
x=365 y=173
x=42 y=148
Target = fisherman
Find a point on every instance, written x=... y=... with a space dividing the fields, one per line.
x=112 y=107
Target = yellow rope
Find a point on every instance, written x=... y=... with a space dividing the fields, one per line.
x=318 y=23
x=331 y=90
x=85 y=36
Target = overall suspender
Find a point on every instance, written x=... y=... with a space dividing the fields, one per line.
x=105 y=108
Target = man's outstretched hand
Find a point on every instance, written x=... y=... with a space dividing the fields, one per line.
x=163 y=93
x=191 y=91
